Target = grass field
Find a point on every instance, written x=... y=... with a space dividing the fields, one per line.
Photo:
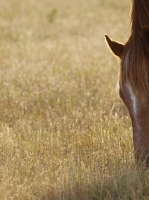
x=64 y=132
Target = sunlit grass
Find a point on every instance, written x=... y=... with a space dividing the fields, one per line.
x=64 y=132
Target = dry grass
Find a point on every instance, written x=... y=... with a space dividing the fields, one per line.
x=64 y=133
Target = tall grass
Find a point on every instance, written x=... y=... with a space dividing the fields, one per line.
x=64 y=132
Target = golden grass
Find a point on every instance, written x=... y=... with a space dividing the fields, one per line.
x=64 y=133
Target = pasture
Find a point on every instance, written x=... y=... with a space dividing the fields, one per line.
x=64 y=132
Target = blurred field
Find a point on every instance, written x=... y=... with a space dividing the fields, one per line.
x=64 y=132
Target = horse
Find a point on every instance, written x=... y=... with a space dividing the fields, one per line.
x=134 y=76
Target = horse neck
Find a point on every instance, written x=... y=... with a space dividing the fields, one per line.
x=136 y=68
x=139 y=18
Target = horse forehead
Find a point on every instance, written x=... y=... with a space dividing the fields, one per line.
x=126 y=59
x=133 y=98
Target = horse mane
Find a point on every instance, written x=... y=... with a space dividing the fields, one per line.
x=137 y=70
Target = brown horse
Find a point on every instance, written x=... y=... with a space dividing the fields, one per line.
x=134 y=76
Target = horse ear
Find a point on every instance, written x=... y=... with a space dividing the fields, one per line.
x=145 y=34
x=116 y=47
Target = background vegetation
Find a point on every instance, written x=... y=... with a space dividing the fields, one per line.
x=64 y=132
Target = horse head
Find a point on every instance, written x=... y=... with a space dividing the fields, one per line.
x=134 y=88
